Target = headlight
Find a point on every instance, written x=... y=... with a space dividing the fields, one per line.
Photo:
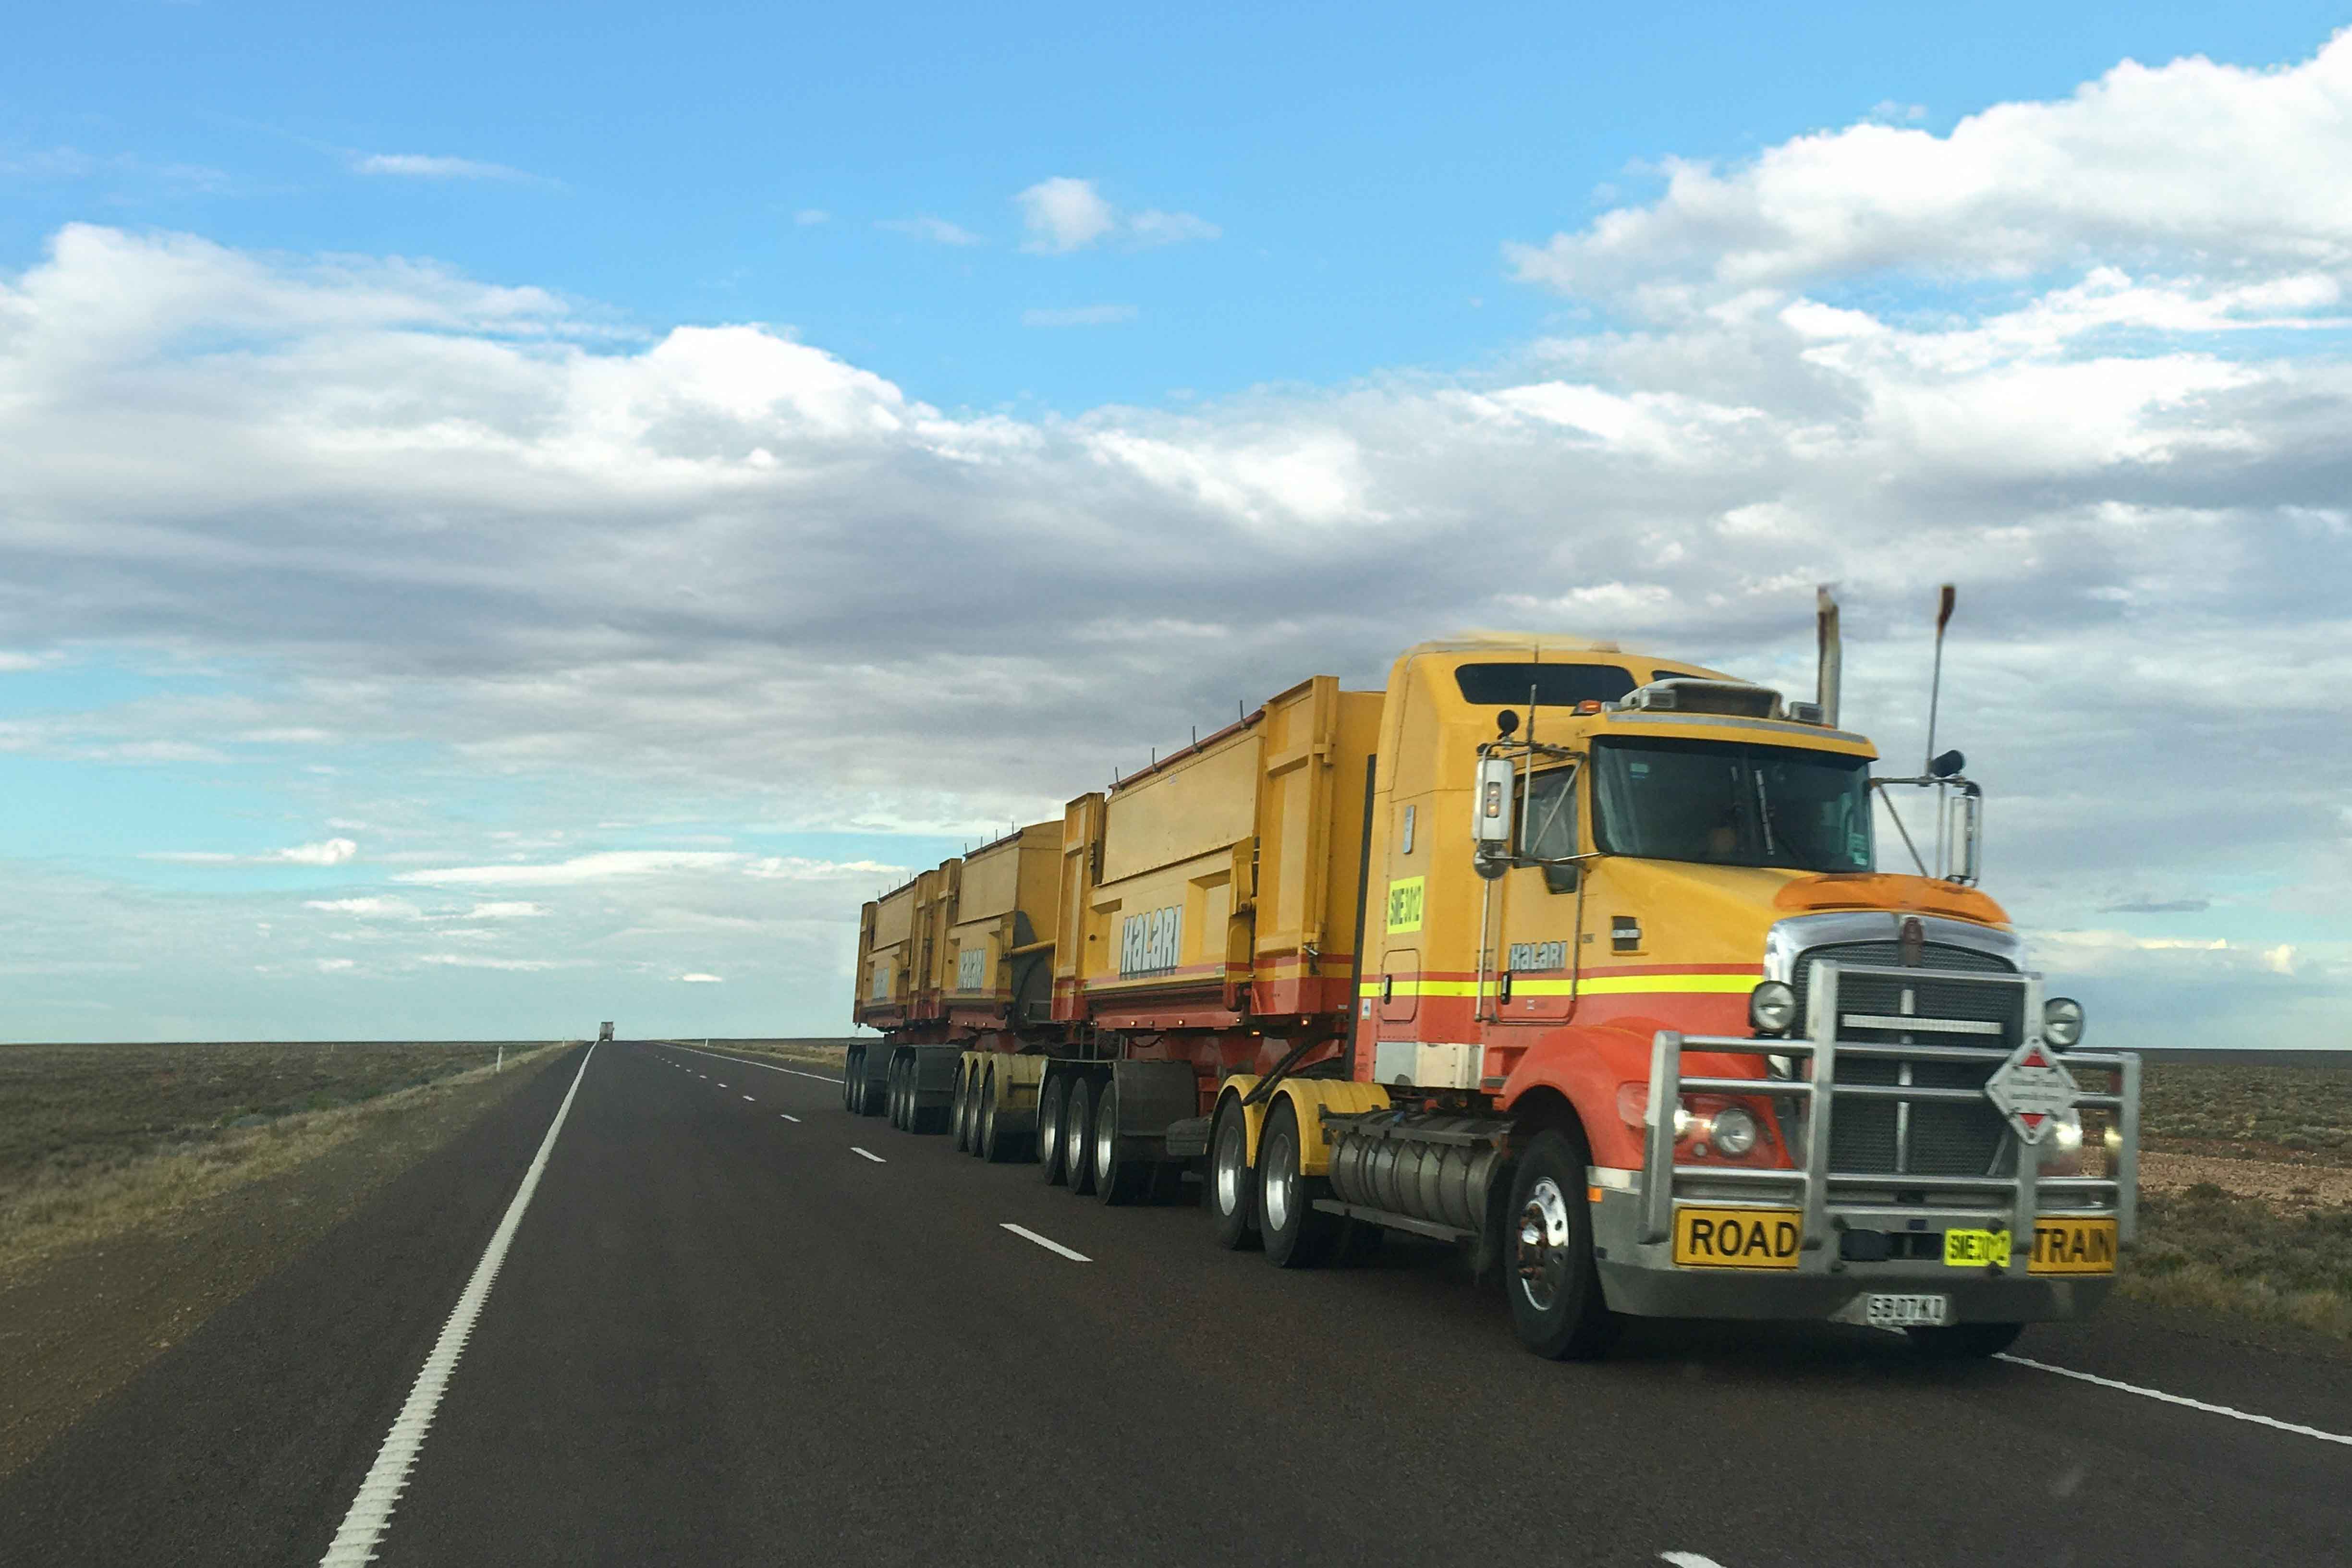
x=1772 y=1007
x=1734 y=1131
x=2062 y=1022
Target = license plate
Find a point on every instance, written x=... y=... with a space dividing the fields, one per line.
x=2073 y=1247
x=1976 y=1248
x=1737 y=1237
x=1907 y=1311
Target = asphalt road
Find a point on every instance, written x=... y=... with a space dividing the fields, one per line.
x=724 y=1335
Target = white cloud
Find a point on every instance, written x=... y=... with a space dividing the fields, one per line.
x=425 y=166
x=477 y=961
x=2191 y=160
x=371 y=907
x=506 y=911
x=1080 y=316
x=938 y=231
x=809 y=218
x=615 y=576
x=702 y=980
x=601 y=867
x=336 y=966
x=329 y=852
x=1063 y=214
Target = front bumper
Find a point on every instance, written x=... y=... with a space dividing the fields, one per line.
x=1643 y=1281
x=1634 y=1216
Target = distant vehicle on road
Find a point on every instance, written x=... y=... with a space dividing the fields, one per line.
x=604 y=1031
x=1658 y=1038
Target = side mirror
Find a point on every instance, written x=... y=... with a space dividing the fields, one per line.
x=1948 y=765
x=1964 y=833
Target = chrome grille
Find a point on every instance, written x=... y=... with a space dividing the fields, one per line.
x=1871 y=1137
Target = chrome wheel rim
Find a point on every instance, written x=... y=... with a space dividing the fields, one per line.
x=1229 y=1169
x=1544 y=1235
x=1279 y=1163
x=986 y=1122
x=1049 y=1133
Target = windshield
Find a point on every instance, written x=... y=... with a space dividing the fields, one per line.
x=1729 y=804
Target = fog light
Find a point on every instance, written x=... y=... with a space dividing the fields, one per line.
x=2062 y=1022
x=1735 y=1132
x=1772 y=1007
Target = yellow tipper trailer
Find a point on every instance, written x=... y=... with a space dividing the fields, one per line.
x=1583 y=959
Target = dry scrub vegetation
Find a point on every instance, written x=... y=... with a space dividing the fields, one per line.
x=97 y=1139
x=2246 y=1193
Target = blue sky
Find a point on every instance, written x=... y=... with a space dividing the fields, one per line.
x=653 y=473
x=1363 y=163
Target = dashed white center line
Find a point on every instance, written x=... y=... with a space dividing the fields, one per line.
x=1688 y=1560
x=788 y=1116
x=723 y=1086
x=2182 y=1399
x=869 y=1154
x=753 y=1101
x=1047 y=1242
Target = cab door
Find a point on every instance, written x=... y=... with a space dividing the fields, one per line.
x=1534 y=954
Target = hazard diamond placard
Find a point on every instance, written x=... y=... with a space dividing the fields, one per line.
x=2032 y=1087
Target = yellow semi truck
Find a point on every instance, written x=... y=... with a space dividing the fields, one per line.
x=1580 y=959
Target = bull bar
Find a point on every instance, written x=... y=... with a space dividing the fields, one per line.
x=1815 y=1186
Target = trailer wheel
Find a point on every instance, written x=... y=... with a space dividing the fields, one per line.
x=1297 y=1234
x=849 y=1076
x=1553 y=1282
x=995 y=1144
x=1963 y=1342
x=959 y=1110
x=1116 y=1181
x=1050 y=1100
x=1077 y=1134
x=899 y=1095
x=1233 y=1186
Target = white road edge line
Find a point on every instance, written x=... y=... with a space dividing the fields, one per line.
x=1047 y=1242
x=371 y=1511
x=772 y=1067
x=2270 y=1421
x=869 y=1154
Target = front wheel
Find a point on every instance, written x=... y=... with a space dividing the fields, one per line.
x=1554 y=1284
x=1963 y=1342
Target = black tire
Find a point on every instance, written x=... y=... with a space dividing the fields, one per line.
x=1116 y=1181
x=1050 y=1099
x=851 y=1067
x=1963 y=1342
x=1233 y=1185
x=1297 y=1234
x=995 y=1143
x=1077 y=1134
x=1550 y=1274
x=959 y=1109
x=871 y=1101
x=901 y=1095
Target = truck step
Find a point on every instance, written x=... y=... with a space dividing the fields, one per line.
x=1188 y=1137
x=1394 y=1221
